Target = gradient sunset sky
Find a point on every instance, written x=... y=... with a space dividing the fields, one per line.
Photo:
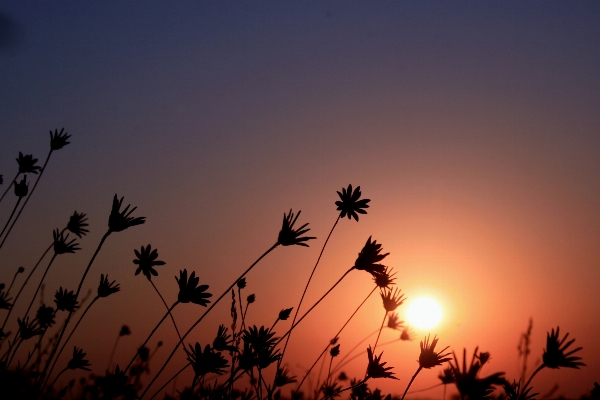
x=473 y=127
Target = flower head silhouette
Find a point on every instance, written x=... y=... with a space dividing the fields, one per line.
x=45 y=316
x=595 y=394
x=385 y=279
x=369 y=257
x=467 y=380
x=283 y=377
x=377 y=369
x=207 y=361
x=115 y=384
x=27 y=164
x=259 y=348
x=58 y=140
x=285 y=314
x=29 y=329
x=77 y=224
x=514 y=391
x=394 y=322
x=21 y=188
x=446 y=376
x=106 y=288
x=554 y=354
x=124 y=331
x=61 y=245
x=407 y=334
x=428 y=357
x=5 y=303
x=289 y=236
x=330 y=390
x=65 y=301
x=349 y=203
x=251 y=298
x=223 y=341
x=78 y=360
x=392 y=299
x=1 y=180
x=335 y=351
x=146 y=259
x=241 y=283
x=120 y=220
x=189 y=291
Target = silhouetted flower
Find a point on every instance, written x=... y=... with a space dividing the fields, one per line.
x=468 y=382
x=61 y=246
x=350 y=203
x=124 y=331
x=115 y=385
x=331 y=389
x=45 y=316
x=335 y=351
x=58 y=140
x=251 y=298
x=392 y=299
x=20 y=270
x=5 y=303
x=78 y=361
x=428 y=357
x=360 y=390
x=259 y=348
x=106 y=288
x=285 y=314
x=554 y=354
x=595 y=394
x=369 y=257
x=65 y=301
x=484 y=357
x=407 y=334
x=377 y=369
x=144 y=353
x=207 y=361
x=514 y=392
x=223 y=341
x=386 y=279
x=77 y=224
x=28 y=329
x=288 y=235
x=446 y=376
x=394 y=322
x=241 y=283
x=120 y=220
x=21 y=188
x=146 y=259
x=282 y=377
x=189 y=291
x=27 y=164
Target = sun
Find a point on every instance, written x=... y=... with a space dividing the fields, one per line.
x=424 y=313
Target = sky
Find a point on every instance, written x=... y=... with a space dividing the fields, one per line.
x=471 y=126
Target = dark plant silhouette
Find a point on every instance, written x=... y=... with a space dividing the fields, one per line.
x=392 y=299
x=376 y=368
x=146 y=260
x=289 y=236
x=77 y=224
x=45 y=316
x=467 y=380
x=119 y=220
x=106 y=288
x=58 y=140
x=369 y=257
x=428 y=358
x=207 y=361
x=189 y=291
x=65 y=301
x=5 y=303
x=595 y=393
x=514 y=391
x=350 y=203
x=21 y=189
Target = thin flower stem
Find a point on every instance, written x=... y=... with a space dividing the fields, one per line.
x=11 y=215
x=348 y=388
x=170 y=380
x=314 y=305
x=411 y=381
x=341 y=364
x=10 y=185
x=13 y=282
x=318 y=385
x=167 y=307
x=112 y=353
x=204 y=314
x=64 y=328
x=14 y=353
x=37 y=346
x=541 y=367
x=150 y=335
x=25 y=283
x=380 y=329
x=337 y=334
x=71 y=334
x=348 y=353
x=241 y=308
x=429 y=388
x=39 y=285
x=27 y=199
x=305 y=289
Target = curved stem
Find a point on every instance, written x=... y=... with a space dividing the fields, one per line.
x=39 y=285
x=341 y=364
x=170 y=380
x=305 y=289
x=167 y=307
x=337 y=334
x=534 y=373
x=411 y=381
x=10 y=185
x=203 y=315
x=71 y=334
x=380 y=329
x=314 y=305
x=25 y=283
x=64 y=328
x=11 y=215
x=150 y=335
x=28 y=197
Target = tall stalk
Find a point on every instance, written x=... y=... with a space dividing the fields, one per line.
x=380 y=329
x=203 y=315
x=11 y=215
x=411 y=381
x=39 y=285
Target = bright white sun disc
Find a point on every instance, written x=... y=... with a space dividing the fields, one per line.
x=424 y=313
